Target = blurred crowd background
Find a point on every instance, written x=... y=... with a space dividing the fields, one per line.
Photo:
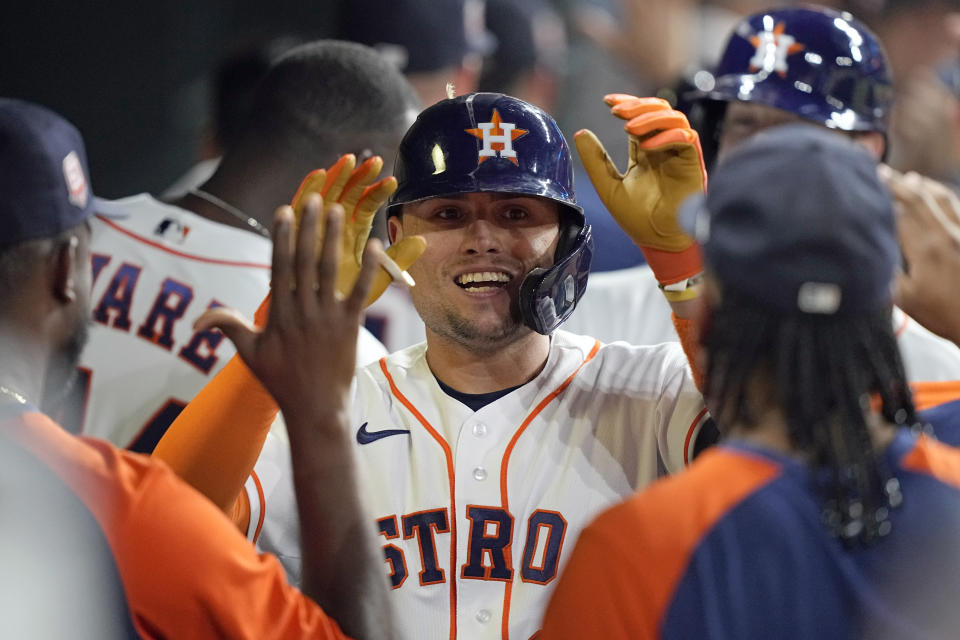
x=157 y=87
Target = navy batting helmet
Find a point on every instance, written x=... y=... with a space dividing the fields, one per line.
x=822 y=65
x=495 y=143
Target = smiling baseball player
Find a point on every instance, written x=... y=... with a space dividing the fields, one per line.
x=485 y=450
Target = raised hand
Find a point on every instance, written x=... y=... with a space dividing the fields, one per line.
x=361 y=195
x=665 y=167
x=306 y=354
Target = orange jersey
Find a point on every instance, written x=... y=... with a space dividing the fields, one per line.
x=186 y=570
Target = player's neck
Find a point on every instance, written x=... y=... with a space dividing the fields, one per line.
x=21 y=368
x=468 y=371
x=254 y=195
x=771 y=431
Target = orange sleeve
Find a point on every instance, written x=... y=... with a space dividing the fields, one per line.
x=216 y=440
x=186 y=571
x=927 y=395
x=594 y=595
x=189 y=573
x=687 y=331
x=936 y=459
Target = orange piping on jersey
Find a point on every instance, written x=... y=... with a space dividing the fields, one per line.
x=927 y=395
x=686 y=441
x=902 y=327
x=453 y=502
x=263 y=506
x=181 y=254
x=508 y=588
x=935 y=459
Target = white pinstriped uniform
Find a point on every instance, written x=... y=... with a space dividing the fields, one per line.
x=530 y=469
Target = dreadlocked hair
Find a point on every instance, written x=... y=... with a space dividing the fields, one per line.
x=825 y=370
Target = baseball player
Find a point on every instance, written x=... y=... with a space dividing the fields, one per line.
x=808 y=64
x=184 y=570
x=162 y=265
x=820 y=515
x=485 y=449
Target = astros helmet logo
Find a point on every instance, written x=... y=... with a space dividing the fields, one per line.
x=773 y=47
x=498 y=137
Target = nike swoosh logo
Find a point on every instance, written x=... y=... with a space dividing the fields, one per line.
x=366 y=437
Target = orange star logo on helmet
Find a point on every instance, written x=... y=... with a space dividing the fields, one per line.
x=497 y=137
x=773 y=48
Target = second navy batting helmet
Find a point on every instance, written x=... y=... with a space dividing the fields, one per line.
x=490 y=142
x=819 y=64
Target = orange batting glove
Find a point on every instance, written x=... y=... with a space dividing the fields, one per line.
x=361 y=195
x=665 y=167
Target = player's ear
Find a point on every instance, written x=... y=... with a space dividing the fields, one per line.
x=394 y=229
x=874 y=141
x=65 y=269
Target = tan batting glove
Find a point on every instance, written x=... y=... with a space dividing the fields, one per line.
x=665 y=167
x=361 y=195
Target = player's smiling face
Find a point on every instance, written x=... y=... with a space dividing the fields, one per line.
x=479 y=248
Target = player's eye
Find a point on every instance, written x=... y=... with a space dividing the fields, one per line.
x=515 y=213
x=448 y=213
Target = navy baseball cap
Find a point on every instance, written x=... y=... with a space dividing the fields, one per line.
x=44 y=181
x=797 y=220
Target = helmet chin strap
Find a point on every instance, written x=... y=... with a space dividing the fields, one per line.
x=549 y=296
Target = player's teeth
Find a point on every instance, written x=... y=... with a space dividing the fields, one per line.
x=483 y=276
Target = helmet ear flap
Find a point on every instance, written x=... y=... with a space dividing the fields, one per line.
x=549 y=296
x=571 y=224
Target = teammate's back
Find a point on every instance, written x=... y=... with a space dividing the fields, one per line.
x=751 y=531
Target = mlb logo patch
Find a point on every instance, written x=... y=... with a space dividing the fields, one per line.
x=77 y=189
x=172 y=230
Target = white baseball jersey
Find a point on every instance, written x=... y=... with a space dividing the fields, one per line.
x=627 y=305
x=156 y=269
x=394 y=320
x=477 y=511
x=926 y=356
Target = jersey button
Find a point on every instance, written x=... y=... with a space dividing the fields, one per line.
x=483 y=616
x=479 y=474
x=479 y=430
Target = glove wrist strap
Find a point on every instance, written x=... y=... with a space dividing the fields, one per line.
x=670 y=267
